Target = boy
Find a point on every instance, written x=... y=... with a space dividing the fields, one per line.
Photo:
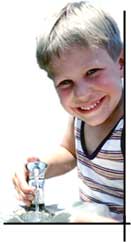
x=82 y=53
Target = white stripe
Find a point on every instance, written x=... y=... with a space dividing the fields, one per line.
x=112 y=145
x=114 y=165
x=79 y=147
x=120 y=125
x=78 y=123
x=98 y=195
x=87 y=172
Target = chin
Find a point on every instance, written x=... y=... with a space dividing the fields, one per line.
x=96 y=122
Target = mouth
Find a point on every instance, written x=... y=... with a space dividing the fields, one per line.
x=87 y=108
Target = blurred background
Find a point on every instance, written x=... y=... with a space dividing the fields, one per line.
x=32 y=120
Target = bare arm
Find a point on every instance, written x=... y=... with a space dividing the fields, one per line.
x=62 y=161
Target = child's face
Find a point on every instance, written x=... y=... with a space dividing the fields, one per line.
x=88 y=83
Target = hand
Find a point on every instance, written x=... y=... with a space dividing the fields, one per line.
x=25 y=193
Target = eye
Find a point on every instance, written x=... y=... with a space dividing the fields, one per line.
x=65 y=84
x=92 y=71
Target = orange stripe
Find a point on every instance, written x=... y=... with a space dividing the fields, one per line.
x=110 y=156
x=108 y=173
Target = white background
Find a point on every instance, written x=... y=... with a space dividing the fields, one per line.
x=31 y=119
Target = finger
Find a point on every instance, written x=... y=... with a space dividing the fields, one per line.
x=32 y=159
x=25 y=201
x=25 y=192
x=26 y=198
x=23 y=187
x=20 y=183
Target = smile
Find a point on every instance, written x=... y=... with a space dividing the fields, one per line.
x=92 y=106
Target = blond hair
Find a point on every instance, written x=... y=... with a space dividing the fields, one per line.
x=78 y=23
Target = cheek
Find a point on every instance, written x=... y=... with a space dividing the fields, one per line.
x=66 y=102
x=64 y=96
x=63 y=99
x=109 y=83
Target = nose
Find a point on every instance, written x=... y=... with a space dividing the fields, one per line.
x=82 y=89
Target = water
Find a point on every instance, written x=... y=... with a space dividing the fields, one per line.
x=36 y=177
x=39 y=217
x=35 y=217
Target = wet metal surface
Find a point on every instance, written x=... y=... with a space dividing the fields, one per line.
x=49 y=214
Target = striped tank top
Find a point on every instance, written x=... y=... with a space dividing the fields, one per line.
x=100 y=175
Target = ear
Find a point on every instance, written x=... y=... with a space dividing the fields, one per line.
x=121 y=63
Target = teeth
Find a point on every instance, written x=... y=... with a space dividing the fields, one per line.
x=91 y=107
x=98 y=102
x=85 y=108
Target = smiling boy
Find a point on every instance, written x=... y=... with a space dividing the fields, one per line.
x=82 y=53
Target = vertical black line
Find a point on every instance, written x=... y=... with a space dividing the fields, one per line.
x=124 y=47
